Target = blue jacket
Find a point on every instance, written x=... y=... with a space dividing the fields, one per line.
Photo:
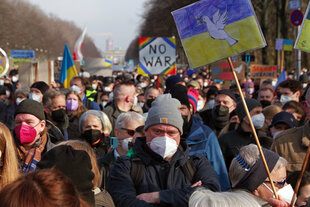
x=202 y=140
x=159 y=176
x=93 y=104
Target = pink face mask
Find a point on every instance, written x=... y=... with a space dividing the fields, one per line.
x=72 y=105
x=26 y=134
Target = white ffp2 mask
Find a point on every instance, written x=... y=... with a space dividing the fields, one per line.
x=164 y=146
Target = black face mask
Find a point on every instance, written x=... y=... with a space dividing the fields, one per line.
x=220 y=115
x=59 y=115
x=92 y=136
x=149 y=102
x=221 y=110
x=265 y=103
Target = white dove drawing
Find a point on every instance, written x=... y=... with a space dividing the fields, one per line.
x=216 y=27
x=238 y=69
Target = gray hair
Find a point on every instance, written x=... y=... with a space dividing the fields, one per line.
x=124 y=118
x=206 y=197
x=101 y=116
x=25 y=90
x=49 y=95
x=250 y=155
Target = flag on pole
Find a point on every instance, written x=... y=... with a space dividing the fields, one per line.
x=107 y=63
x=213 y=30
x=282 y=77
x=303 y=38
x=68 y=70
x=77 y=53
x=287 y=45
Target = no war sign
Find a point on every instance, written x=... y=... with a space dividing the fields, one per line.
x=157 y=55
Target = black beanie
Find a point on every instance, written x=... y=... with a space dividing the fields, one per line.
x=29 y=106
x=75 y=164
x=41 y=85
x=180 y=92
x=251 y=104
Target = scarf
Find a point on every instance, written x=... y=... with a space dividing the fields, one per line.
x=31 y=157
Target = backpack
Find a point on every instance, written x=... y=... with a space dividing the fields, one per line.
x=138 y=168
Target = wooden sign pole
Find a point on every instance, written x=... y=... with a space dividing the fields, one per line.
x=252 y=127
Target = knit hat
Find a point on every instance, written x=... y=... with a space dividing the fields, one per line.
x=96 y=113
x=73 y=163
x=251 y=104
x=193 y=97
x=29 y=106
x=41 y=85
x=180 y=92
x=285 y=118
x=228 y=93
x=193 y=84
x=171 y=81
x=165 y=110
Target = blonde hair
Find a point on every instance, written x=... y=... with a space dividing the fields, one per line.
x=80 y=145
x=107 y=124
x=8 y=160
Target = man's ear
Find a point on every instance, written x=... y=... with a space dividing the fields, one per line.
x=46 y=109
x=297 y=94
x=255 y=192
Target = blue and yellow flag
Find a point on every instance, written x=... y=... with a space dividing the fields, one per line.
x=287 y=45
x=303 y=39
x=213 y=30
x=107 y=63
x=68 y=70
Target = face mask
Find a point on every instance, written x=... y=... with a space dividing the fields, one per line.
x=149 y=102
x=92 y=136
x=185 y=79
x=125 y=142
x=135 y=102
x=304 y=85
x=143 y=84
x=221 y=110
x=286 y=193
x=94 y=86
x=258 y=120
x=107 y=89
x=103 y=103
x=1 y=82
x=72 y=105
x=18 y=100
x=205 y=84
x=265 y=103
x=141 y=104
x=14 y=79
x=76 y=89
x=211 y=104
x=193 y=77
x=250 y=90
x=164 y=146
x=26 y=134
x=59 y=115
x=34 y=97
x=113 y=142
x=276 y=134
x=7 y=93
x=200 y=105
x=284 y=99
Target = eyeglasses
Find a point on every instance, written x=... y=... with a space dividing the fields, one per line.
x=129 y=131
x=281 y=183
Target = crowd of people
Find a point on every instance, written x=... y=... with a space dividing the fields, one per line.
x=132 y=140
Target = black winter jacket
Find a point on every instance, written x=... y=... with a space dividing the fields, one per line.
x=159 y=175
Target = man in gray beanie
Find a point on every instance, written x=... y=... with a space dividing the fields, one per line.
x=232 y=141
x=161 y=170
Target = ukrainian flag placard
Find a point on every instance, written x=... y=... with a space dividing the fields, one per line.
x=211 y=30
x=303 y=39
x=68 y=70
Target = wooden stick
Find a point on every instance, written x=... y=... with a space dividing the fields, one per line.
x=303 y=169
x=282 y=60
x=252 y=127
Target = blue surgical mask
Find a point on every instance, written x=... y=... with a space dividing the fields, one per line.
x=34 y=97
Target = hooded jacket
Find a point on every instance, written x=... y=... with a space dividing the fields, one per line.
x=159 y=176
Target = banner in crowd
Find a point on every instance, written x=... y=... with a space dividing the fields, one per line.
x=303 y=39
x=263 y=71
x=284 y=44
x=68 y=70
x=4 y=62
x=213 y=30
x=222 y=71
x=157 y=56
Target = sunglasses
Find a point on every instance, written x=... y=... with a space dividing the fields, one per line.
x=129 y=131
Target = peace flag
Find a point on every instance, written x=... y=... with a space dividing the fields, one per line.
x=303 y=39
x=68 y=70
x=211 y=30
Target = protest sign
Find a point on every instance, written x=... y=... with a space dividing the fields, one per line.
x=263 y=71
x=157 y=55
x=222 y=71
x=213 y=30
x=303 y=38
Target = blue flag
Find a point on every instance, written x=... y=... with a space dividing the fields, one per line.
x=281 y=78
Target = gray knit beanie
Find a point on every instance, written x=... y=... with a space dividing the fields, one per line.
x=251 y=104
x=165 y=110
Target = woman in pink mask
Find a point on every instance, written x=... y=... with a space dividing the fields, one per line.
x=75 y=109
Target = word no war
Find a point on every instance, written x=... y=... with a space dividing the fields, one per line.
x=157 y=60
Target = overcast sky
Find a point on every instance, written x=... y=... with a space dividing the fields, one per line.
x=115 y=19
